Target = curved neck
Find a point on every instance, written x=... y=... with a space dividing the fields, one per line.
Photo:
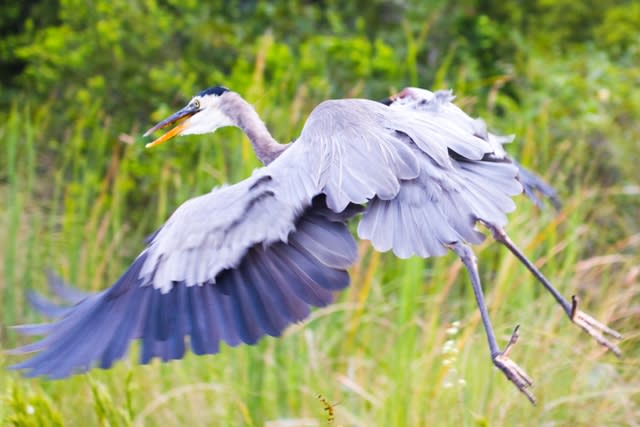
x=244 y=116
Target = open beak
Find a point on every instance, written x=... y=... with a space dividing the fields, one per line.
x=176 y=117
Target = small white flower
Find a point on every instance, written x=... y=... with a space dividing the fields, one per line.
x=30 y=410
x=448 y=346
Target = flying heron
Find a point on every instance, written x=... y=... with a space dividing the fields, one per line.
x=249 y=259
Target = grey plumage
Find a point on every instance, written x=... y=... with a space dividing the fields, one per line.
x=432 y=102
x=247 y=260
x=266 y=291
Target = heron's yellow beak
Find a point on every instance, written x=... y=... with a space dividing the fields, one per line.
x=167 y=136
x=176 y=117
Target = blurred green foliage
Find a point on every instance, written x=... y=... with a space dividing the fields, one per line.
x=130 y=62
x=129 y=54
x=81 y=81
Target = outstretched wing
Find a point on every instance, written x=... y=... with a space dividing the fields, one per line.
x=364 y=151
x=233 y=265
x=428 y=174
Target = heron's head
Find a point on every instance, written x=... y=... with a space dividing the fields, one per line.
x=203 y=114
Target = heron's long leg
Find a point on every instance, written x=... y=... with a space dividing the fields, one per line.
x=594 y=328
x=513 y=372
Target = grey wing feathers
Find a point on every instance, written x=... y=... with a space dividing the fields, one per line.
x=212 y=232
x=426 y=173
x=359 y=159
x=65 y=292
x=269 y=288
x=230 y=266
x=424 y=100
x=440 y=207
x=533 y=184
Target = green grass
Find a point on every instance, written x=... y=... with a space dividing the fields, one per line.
x=386 y=353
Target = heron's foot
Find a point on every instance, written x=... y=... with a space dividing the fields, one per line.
x=512 y=371
x=594 y=328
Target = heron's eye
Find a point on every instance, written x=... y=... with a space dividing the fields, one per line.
x=196 y=103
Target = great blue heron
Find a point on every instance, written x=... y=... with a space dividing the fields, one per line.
x=249 y=259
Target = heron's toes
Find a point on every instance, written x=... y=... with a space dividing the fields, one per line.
x=594 y=328
x=515 y=374
x=512 y=371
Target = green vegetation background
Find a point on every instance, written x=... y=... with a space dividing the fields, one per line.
x=403 y=346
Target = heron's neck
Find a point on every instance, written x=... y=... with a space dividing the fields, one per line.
x=246 y=118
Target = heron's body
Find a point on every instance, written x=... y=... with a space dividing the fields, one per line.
x=249 y=259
